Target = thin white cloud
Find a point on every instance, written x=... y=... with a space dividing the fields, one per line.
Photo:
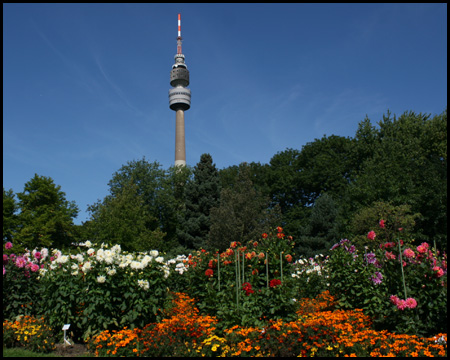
x=116 y=88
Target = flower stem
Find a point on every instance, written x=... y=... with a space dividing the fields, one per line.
x=401 y=265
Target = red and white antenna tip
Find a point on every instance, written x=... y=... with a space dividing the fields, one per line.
x=179 y=25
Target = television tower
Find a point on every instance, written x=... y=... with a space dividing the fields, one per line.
x=179 y=99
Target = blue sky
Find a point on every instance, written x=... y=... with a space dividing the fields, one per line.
x=85 y=86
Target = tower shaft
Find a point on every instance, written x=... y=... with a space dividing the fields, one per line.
x=180 y=146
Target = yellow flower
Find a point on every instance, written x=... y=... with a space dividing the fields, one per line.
x=214 y=348
x=329 y=347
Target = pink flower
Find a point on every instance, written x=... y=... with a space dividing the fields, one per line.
x=394 y=299
x=8 y=245
x=422 y=248
x=389 y=255
x=401 y=304
x=34 y=267
x=381 y=223
x=411 y=303
x=37 y=255
x=439 y=271
x=20 y=262
x=409 y=253
x=371 y=235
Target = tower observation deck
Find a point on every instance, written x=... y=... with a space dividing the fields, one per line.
x=179 y=98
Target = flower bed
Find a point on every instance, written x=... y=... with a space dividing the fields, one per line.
x=248 y=299
x=317 y=333
x=30 y=333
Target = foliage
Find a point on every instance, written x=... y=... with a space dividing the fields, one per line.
x=21 y=289
x=240 y=285
x=103 y=288
x=28 y=332
x=243 y=213
x=143 y=207
x=324 y=227
x=201 y=194
x=376 y=279
x=46 y=217
x=311 y=276
x=394 y=218
x=10 y=220
x=124 y=219
x=404 y=161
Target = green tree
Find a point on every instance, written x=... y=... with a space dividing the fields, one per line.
x=124 y=219
x=243 y=215
x=201 y=194
x=46 y=217
x=10 y=220
x=323 y=229
x=157 y=196
x=406 y=163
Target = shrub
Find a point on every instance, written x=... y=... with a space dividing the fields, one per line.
x=403 y=287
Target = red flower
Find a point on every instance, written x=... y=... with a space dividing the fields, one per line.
x=264 y=235
x=247 y=287
x=289 y=258
x=280 y=235
x=371 y=235
x=274 y=283
x=381 y=223
x=209 y=272
x=279 y=229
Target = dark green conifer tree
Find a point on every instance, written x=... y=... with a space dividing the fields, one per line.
x=201 y=194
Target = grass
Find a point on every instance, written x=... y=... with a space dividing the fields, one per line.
x=18 y=352
x=21 y=352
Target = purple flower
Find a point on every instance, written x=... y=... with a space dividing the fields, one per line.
x=377 y=278
x=370 y=258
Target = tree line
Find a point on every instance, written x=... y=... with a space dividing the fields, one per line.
x=334 y=187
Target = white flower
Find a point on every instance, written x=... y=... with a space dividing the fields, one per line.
x=143 y=284
x=42 y=272
x=154 y=253
x=111 y=272
x=62 y=259
x=74 y=267
x=136 y=265
x=116 y=249
x=44 y=253
x=88 y=243
x=74 y=273
x=90 y=251
x=159 y=259
x=146 y=260
x=101 y=279
x=86 y=266
x=109 y=259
